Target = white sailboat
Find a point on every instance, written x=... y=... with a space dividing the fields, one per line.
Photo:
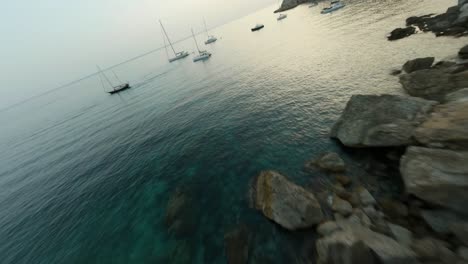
x=177 y=55
x=202 y=54
x=211 y=38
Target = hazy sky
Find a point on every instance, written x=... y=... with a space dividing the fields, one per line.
x=47 y=43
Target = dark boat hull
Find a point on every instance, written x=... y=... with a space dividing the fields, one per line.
x=120 y=88
x=257 y=28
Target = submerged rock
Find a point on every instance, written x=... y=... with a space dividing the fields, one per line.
x=418 y=64
x=446 y=127
x=433 y=84
x=181 y=217
x=286 y=203
x=437 y=176
x=236 y=244
x=380 y=120
x=330 y=161
x=400 y=33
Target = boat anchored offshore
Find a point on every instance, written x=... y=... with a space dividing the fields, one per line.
x=202 y=54
x=335 y=5
x=211 y=38
x=115 y=88
x=177 y=55
x=258 y=27
x=281 y=17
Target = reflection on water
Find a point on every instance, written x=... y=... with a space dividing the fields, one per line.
x=86 y=177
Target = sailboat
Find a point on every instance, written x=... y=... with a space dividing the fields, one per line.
x=115 y=88
x=177 y=55
x=211 y=38
x=202 y=54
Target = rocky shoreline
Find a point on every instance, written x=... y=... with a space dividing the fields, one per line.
x=429 y=224
x=454 y=22
x=424 y=139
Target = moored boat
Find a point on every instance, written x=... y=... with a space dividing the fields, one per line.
x=202 y=54
x=335 y=5
x=281 y=17
x=177 y=55
x=257 y=27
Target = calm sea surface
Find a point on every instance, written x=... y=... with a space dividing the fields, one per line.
x=86 y=177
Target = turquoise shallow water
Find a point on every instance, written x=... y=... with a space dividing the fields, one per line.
x=86 y=177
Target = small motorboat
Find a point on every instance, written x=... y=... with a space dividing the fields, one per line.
x=281 y=17
x=335 y=5
x=202 y=55
x=258 y=27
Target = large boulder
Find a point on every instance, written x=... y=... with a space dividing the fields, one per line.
x=380 y=120
x=463 y=53
x=362 y=246
x=418 y=64
x=433 y=84
x=438 y=176
x=463 y=15
x=284 y=202
x=400 y=33
x=446 y=127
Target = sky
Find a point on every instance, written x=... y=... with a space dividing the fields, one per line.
x=47 y=43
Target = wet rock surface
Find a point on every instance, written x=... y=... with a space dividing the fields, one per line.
x=433 y=84
x=438 y=176
x=454 y=22
x=418 y=64
x=389 y=122
x=286 y=203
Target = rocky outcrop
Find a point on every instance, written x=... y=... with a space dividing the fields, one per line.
x=433 y=84
x=447 y=127
x=361 y=245
x=454 y=22
x=284 y=202
x=438 y=176
x=400 y=33
x=289 y=4
x=380 y=120
x=418 y=64
x=463 y=53
x=329 y=161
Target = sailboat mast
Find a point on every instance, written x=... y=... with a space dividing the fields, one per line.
x=196 y=44
x=206 y=29
x=105 y=77
x=165 y=33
